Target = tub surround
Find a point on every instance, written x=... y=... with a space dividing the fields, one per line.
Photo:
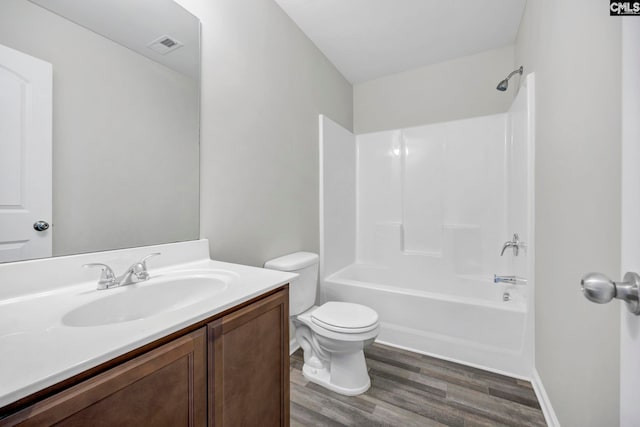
x=38 y=350
x=417 y=217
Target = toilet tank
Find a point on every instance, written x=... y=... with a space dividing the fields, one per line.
x=302 y=289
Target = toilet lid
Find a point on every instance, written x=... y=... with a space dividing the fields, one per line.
x=345 y=317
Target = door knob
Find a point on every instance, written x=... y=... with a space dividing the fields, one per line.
x=41 y=225
x=598 y=288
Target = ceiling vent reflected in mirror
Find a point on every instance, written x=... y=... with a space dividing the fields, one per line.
x=164 y=45
x=137 y=25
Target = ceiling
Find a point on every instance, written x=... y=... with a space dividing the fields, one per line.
x=367 y=39
x=135 y=24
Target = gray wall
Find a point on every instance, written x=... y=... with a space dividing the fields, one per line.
x=451 y=90
x=125 y=136
x=574 y=48
x=264 y=84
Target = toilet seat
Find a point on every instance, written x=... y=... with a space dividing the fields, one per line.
x=345 y=317
x=336 y=332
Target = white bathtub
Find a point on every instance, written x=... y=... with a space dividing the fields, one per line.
x=464 y=320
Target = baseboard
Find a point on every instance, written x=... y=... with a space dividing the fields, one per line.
x=543 y=399
x=293 y=346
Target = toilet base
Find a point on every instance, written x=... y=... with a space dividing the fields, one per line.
x=345 y=372
x=322 y=377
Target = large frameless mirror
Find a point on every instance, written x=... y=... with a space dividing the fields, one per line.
x=123 y=141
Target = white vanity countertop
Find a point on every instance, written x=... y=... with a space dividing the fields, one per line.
x=38 y=350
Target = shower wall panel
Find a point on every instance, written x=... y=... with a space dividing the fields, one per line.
x=423 y=176
x=337 y=196
x=379 y=165
x=434 y=197
x=518 y=176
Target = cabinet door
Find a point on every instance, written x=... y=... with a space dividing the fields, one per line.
x=164 y=387
x=249 y=365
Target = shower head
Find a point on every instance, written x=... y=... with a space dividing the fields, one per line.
x=504 y=84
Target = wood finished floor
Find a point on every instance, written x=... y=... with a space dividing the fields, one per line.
x=409 y=389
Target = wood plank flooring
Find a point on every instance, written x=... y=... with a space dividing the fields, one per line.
x=409 y=389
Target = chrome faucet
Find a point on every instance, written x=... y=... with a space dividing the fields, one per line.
x=134 y=274
x=514 y=244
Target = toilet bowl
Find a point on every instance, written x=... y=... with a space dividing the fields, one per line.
x=333 y=335
x=333 y=347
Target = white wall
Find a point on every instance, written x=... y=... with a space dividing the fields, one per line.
x=122 y=177
x=574 y=48
x=457 y=89
x=264 y=84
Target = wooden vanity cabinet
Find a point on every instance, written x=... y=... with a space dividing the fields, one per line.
x=229 y=370
x=249 y=365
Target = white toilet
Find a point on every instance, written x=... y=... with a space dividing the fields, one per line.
x=332 y=335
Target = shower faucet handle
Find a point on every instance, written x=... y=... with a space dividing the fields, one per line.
x=514 y=244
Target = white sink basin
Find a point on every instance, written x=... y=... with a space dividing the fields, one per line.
x=155 y=296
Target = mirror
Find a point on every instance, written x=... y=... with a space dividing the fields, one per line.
x=125 y=138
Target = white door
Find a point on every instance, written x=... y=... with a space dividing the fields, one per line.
x=630 y=324
x=25 y=156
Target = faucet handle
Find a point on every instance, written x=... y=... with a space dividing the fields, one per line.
x=140 y=268
x=144 y=260
x=107 y=277
x=514 y=244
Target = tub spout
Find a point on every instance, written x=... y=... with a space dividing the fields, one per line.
x=511 y=280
